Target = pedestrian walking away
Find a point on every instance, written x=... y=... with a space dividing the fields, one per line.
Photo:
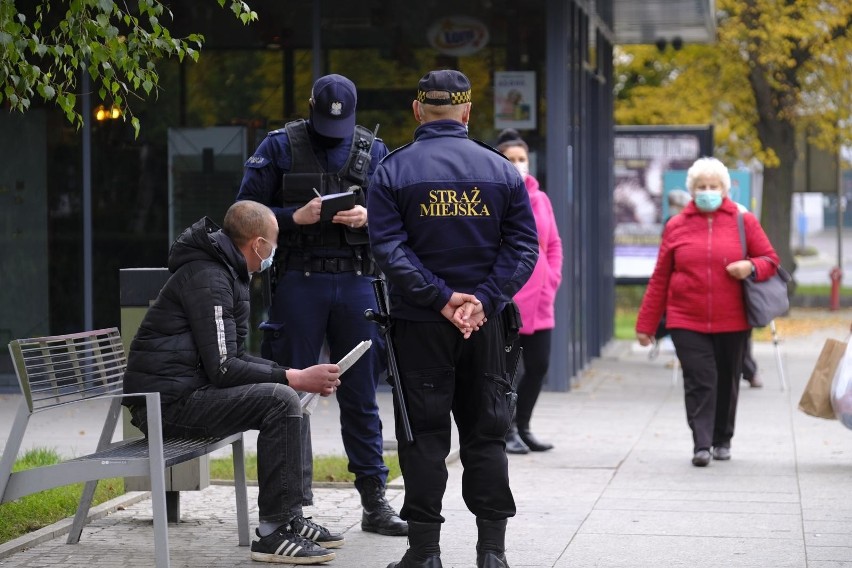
x=190 y=348
x=535 y=300
x=453 y=231
x=321 y=279
x=697 y=284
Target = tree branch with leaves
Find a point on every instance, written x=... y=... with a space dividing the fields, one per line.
x=43 y=52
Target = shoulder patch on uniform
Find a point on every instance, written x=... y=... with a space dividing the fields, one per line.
x=488 y=146
x=392 y=152
x=257 y=161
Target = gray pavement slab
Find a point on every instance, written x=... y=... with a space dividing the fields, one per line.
x=617 y=491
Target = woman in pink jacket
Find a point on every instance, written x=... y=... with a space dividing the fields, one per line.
x=535 y=300
x=697 y=283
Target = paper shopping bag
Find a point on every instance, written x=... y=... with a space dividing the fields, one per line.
x=816 y=399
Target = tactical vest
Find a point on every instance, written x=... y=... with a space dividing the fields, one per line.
x=306 y=177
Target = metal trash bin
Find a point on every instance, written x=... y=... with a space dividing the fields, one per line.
x=138 y=288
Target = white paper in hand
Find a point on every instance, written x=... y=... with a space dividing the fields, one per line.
x=310 y=400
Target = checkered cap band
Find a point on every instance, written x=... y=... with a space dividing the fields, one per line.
x=455 y=98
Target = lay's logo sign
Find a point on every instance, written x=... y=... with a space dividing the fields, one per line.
x=458 y=35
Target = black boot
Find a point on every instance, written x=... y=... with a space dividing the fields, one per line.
x=514 y=444
x=491 y=547
x=379 y=516
x=531 y=442
x=424 y=549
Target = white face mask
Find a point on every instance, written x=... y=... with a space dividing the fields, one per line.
x=523 y=168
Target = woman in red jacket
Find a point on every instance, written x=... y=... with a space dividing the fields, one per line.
x=535 y=300
x=696 y=283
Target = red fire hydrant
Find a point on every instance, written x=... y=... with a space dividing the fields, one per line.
x=836 y=276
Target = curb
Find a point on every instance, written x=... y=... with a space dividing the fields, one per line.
x=62 y=527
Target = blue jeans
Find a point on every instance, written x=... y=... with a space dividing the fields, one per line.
x=271 y=408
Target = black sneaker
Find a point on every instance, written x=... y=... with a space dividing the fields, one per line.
x=305 y=527
x=283 y=547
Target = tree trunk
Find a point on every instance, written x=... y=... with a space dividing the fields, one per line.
x=777 y=133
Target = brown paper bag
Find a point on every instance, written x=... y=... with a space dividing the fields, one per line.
x=816 y=399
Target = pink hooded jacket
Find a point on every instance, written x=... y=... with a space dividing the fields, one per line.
x=535 y=299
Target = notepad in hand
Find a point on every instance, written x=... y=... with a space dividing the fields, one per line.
x=335 y=202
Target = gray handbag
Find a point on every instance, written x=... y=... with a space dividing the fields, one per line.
x=766 y=300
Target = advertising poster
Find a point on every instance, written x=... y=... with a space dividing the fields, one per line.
x=643 y=154
x=514 y=100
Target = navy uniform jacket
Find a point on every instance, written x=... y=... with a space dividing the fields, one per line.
x=449 y=214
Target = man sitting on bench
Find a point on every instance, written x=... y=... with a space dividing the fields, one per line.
x=190 y=348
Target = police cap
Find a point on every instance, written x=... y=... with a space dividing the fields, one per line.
x=448 y=81
x=333 y=110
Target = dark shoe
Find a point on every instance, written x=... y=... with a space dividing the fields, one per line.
x=701 y=458
x=531 y=442
x=430 y=562
x=491 y=560
x=755 y=382
x=282 y=547
x=306 y=528
x=491 y=544
x=378 y=516
x=514 y=444
x=722 y=454
x=424 y=549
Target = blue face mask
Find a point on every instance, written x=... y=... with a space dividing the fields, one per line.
x=265 y=262
x=708 y=200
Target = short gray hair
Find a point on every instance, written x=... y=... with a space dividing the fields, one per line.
x=708 y=167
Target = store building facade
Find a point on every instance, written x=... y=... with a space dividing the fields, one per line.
x=78 y=206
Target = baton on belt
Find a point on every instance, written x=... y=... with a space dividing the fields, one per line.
x=383 y=320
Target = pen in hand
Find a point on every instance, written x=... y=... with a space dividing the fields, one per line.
x=317 y=193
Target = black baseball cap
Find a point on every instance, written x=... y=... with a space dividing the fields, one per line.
x=333 y=110
x=450 y=81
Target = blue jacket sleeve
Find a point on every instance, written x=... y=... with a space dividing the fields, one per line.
x=262 y=178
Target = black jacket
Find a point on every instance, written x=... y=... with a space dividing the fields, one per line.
x=194 y=334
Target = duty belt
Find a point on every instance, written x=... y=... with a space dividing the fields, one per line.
x=332 y=265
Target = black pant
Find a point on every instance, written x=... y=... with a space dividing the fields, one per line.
x=712 y=364
x=441 y=373
x=271 y=408
x=536 y=361
x=749 y=364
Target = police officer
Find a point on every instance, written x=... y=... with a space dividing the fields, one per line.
x=453 y=231
x=323 y=272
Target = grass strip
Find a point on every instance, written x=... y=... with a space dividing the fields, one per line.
x=326 y=468
x=41 y=509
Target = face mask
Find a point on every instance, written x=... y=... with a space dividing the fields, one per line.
x=523 y=168
x=265 y=262
x=708 y=200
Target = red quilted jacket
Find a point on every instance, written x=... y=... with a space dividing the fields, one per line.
x=690 y=284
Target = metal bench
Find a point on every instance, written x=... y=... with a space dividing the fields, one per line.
x=67 y=369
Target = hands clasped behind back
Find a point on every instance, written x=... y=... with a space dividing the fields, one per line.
x=465 y=312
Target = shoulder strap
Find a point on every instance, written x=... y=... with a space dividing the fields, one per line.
x=302 y=155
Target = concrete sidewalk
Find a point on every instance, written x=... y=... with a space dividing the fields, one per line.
x=617 y=491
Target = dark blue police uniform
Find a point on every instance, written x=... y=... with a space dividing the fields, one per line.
x=324 y=274
x=449 y=214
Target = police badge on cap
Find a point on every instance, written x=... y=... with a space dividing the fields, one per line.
x=447 y=81
x=333 y=99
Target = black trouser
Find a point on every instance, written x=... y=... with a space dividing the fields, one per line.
x=536 y=361
x=749 y=364
x=441 y=373
x=271 y=408
x=712 y=364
